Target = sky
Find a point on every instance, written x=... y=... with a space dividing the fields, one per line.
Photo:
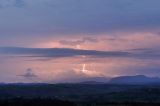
x=72 y=40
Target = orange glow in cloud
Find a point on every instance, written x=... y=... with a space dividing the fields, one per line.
x=82 y=66
x=120 y=41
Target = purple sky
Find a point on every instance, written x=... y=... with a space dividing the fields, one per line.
x=111 y=37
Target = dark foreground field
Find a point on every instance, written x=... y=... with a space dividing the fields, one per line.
x=79 y=95
x=54 y=102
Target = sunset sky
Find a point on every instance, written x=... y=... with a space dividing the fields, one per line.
x=73 y=40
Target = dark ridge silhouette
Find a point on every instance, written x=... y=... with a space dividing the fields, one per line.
x=138 y=79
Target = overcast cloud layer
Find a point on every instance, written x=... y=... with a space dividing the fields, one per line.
x=112 y=37
x=27 y=17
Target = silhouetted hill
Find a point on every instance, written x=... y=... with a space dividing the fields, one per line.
x=138 y=79
x=91 y=82
x=96 y=79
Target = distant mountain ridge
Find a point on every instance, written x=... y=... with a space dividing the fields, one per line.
x=91 y=82
x=128 y=80
x=138 y=79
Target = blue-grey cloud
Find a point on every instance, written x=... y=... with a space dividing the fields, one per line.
x=54 y=17
x=11 y=3
x=20 y=3
x=150 y=53
x=29 y=74
x=59 y=52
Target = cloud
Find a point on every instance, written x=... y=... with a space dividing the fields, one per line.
x=70 y=76
x=20 y=3
x=12 y=3
x=149 y=53
x=75 y=75
x=29 y=74
x=59 y=52
x=78 y=42
x=74 y=17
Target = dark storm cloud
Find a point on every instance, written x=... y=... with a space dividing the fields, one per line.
x=64 y=17
x=151 y=53
x=29 y=74
x=59 y=52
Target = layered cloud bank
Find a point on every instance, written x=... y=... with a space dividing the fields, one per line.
x=151 y=53
x=54 y=38
x=59 y=52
